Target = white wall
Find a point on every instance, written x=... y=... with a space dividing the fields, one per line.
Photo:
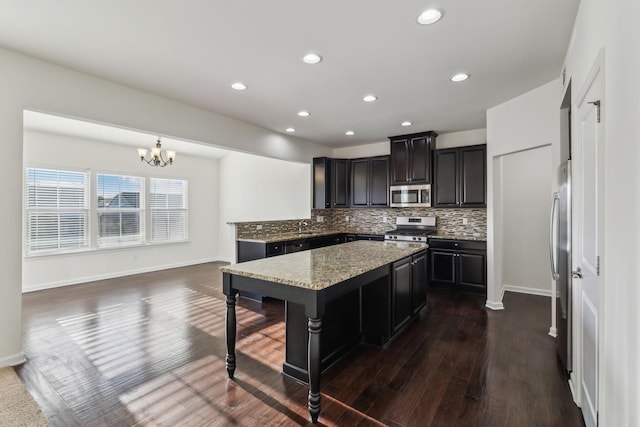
x=529 y=121
x=525 y=215
x=462 y=138
x=254 y=188
x=29 y=83
x=367 y=150
x=444 y=140
x=58 y=151
x=611 y=26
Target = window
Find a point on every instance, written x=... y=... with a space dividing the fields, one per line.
x=120 y=210
x=168 y=207
x=57 y=210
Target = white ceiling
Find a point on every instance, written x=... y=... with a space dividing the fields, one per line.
x=192 y=50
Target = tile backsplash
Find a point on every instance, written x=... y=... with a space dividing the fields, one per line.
x=368 y=220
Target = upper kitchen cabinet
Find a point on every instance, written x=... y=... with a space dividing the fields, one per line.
x=330 y=183
x=411 y=158
x=370 y=182
x=460 y=177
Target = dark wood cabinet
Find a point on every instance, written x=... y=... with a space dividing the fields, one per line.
x=460 y=178
x=330 y=183
x=401 y=293
x=370 y=182
x=458 y=265
x=409 y=293
x=411 y=158
x=419 y=281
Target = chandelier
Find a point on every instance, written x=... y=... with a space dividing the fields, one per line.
x=159 y=157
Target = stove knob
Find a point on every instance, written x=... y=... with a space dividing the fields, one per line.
x=414 y=238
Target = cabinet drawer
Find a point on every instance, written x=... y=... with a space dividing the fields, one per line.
x=473 y=245
x=274 y=249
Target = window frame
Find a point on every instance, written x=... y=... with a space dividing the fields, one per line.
x=168 y=209
x=115 y=242
x=85 y=211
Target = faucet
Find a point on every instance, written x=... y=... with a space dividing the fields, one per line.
x=301 y=223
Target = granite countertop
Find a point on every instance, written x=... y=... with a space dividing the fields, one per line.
x=283 y=237
x=321 y=268
x=481 y=238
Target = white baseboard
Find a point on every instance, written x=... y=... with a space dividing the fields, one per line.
x=530 y=291
x=229 y=260
x=12 y=360
x=494 y=305
x=553 y=332
x=79 y=280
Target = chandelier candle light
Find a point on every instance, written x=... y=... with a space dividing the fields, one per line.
x=159 y=157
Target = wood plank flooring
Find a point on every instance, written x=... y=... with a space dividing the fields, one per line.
x=148 y=350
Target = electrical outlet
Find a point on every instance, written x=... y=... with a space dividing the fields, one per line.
x=384 y=219
x=259 y=227
x=464 y=221
x=346 y=218
x=320 y=218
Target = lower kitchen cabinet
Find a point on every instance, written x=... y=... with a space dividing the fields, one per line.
x=458 y=265
x=409 y=293
x=375 y=237
x=389 y=305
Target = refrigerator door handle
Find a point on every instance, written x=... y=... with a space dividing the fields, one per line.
x=552 y=234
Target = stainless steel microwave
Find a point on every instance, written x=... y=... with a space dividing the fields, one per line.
x=408 y=196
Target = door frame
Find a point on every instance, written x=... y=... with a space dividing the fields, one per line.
x=596 y=76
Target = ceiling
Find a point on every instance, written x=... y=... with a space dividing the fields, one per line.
x=192 y=51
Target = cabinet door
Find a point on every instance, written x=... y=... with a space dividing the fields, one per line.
x=340 y=187
x=471 y=270
x=321 y=183
x=379 y=181
x=419 y=281
x=473 y=178
x=420 y=160
x=446 y=178
x=399 y=161
x=360 y=182
x=401 y=293
x=443 y=267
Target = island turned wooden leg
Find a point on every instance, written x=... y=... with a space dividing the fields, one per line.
x=231 y=334
x=315 y=326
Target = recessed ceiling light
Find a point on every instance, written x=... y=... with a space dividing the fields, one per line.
x=369 y=98
x=312 y=58
x=460 y=77
x=430 y=16
x=406 y=123
x=239 y=86
x=349 y=133
x=290 y=130
x=304 y=113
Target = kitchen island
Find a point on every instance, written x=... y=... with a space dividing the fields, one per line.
x=312 y=280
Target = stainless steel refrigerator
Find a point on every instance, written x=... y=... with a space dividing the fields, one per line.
x=560 y=250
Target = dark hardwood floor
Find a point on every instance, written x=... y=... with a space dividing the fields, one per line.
x=149 y=350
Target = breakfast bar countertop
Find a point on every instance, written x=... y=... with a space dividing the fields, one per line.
x=321 y=268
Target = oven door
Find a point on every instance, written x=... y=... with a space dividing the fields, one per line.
x=403 y=196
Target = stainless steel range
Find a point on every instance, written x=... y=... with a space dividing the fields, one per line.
x=412 y=229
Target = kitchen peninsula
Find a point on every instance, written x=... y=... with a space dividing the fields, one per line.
x=335 y=296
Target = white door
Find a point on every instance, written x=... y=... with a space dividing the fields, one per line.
x=587 y=258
